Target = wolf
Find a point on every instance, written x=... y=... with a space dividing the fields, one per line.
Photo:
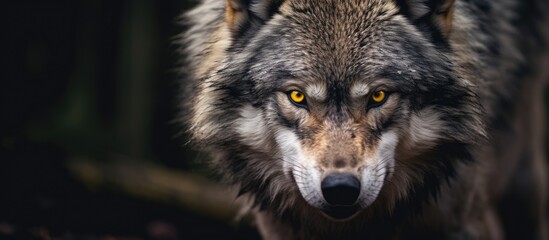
x=380 y=119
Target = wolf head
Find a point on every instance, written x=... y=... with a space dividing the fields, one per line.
x=344 y=105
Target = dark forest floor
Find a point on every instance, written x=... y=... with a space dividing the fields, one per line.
x=41 y=200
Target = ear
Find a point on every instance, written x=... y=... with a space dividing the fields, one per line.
x=236 y=13
x=437 y=14
x=241 y=13
x=444 y=15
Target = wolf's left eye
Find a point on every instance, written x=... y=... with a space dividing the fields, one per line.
x=377 y=99
x=297 y=97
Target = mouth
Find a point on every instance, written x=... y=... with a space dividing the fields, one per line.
x=340 y=213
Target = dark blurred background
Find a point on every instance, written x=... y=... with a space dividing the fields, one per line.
x=89 y=146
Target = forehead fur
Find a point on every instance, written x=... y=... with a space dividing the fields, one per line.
x=336 y=36
x=369 y=9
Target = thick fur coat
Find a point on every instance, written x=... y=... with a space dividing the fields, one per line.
x=427 y=113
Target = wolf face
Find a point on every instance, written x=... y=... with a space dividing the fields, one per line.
x=350 y=106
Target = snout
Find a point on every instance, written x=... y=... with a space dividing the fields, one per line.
x=341 y=192
x=340 y=189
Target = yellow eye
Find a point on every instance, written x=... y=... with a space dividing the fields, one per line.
x=379 y=96
x=297 y=96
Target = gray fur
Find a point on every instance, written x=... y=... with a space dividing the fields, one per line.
x=464 y=106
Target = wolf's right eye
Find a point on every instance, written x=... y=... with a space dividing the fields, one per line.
x=378 y=96
x=377 y=99
x=297 y=98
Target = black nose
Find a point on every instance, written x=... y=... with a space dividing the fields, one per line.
x=340 y=189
